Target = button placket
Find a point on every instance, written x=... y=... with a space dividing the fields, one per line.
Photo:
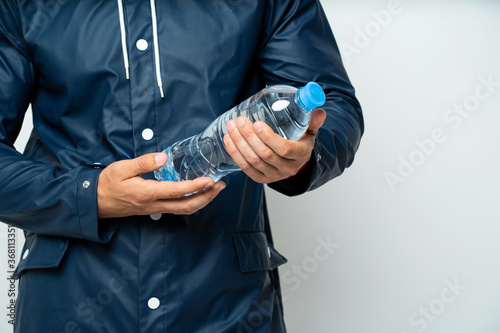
x=143 y=104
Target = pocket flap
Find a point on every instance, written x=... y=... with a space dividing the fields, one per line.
x=255 y=253
x=40 y=251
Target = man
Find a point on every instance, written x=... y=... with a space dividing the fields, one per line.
x=109 y=249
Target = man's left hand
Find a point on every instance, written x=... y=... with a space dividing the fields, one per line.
x=265 y=156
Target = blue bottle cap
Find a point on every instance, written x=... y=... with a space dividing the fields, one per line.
x=311 y=96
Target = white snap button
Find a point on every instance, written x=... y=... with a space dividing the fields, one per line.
x=147 y=134
x=25 y=254
x=269 y=252
x=142 y=45
x=86 y=184
x=155 y=217
x=153 y=303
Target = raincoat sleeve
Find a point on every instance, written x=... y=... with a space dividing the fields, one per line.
x=34 y=196
x=298 y=47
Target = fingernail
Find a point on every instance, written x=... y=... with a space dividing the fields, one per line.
x=257 y=127
x=223 y=186
x=231 y=125
x=160 y=158
x=227 y=138
x=241 y=121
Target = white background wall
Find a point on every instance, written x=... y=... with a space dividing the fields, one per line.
x=397 y=246
x=420 y=255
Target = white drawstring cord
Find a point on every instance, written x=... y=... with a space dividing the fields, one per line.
x=124 y=38
x=156 y=47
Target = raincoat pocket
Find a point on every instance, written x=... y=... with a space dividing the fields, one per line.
x=41 y=251
x=255 y=253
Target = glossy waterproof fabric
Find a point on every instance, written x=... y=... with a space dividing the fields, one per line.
x=213 y=271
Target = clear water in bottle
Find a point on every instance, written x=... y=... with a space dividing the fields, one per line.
x=287 y=110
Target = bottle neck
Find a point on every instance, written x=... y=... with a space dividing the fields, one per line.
x=303 y=108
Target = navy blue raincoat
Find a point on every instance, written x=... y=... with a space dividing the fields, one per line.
x=94 y=72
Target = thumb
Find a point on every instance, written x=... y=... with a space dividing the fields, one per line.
x=143 y=164
x=317 y=119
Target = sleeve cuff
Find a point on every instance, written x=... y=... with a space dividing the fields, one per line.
x=299 y=183
x=91 y=227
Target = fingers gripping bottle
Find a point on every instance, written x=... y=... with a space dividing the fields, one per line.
x=287 y=110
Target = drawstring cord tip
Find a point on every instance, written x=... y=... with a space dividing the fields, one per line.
x=161 y=92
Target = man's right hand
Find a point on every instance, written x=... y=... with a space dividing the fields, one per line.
x=121 y=191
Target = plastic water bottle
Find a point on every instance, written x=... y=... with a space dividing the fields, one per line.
x=287 y=110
